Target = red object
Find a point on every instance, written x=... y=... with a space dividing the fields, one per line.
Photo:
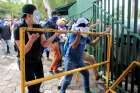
x=56 y=56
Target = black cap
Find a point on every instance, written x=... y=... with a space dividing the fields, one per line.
x=28 y=9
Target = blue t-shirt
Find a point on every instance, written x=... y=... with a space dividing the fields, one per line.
x=76 y=54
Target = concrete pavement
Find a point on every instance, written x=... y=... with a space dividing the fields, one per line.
x=10 y=79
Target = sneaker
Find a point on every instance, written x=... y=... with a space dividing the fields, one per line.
x=88 y=92
x=100 y=82
x=57 y=71
x=61 y=69
x=51 y=72
x=59 y=87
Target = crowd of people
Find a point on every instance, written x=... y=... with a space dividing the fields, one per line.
x=68 y=49
x=7 y=27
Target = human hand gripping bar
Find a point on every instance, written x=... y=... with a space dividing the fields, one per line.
x=64 y=31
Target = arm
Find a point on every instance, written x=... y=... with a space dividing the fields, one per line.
x=76 y=41
x=46 y=43
x=98 y=21
x=94 y=42
x=29 y=44
x=93 y=26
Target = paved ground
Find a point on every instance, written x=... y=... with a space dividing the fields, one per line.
x=9 y=74
x=9 y=79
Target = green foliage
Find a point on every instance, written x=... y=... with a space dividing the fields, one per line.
x=139 y=13
x=53 y=4
x=9 y=8
x=14 y=9
x=58 y=3
x=40 y=6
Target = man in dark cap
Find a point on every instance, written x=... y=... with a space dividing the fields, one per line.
x=34 y=41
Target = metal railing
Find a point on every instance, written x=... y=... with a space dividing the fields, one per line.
x=122 y=76
x=123 y=16
x=125 y=38
x=24 y=83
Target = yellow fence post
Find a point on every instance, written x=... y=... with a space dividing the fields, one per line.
x=22 y=59
x=108 y=59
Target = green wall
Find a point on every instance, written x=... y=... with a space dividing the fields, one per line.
x=59 y=3
x=79 y=8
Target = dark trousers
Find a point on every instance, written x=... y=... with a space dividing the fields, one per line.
x=34 y=71
x=47 y=53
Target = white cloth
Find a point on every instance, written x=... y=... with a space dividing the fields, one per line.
x=82 y=20
x=81 y=29
x=63 y=36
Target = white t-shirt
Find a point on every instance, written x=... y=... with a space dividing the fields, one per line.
x=63 y=36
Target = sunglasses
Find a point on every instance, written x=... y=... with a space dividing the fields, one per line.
x=83 y=25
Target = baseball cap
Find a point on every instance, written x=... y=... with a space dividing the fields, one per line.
x=82 y=21
x=28 y=9
x=54 y=19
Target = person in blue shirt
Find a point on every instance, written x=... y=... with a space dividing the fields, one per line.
x=74 y=54
x=51 y=24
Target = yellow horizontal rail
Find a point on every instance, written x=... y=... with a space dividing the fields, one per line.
x=61 y=31
x=123 y=75
x=137 y=63
x=29 y=83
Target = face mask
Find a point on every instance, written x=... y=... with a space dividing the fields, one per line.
x=82 y=25
x=36 y=17
x=84 y=29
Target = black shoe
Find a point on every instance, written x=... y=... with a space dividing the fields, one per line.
x=57 y=71
x=88 y=92
x=51 y=72
x=59 y=87
x=61 y=69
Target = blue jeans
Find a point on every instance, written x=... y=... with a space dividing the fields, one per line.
x=70 y=65
x=62 y=48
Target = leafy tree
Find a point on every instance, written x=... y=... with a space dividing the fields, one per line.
x=139 y=13
x=14 y=8
x=10 y=8
x=40 y=6
x=58 y=3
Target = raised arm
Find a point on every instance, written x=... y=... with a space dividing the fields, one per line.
x=76 y=41
x=98 y=21
x=47 y=42
x=95 y=41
